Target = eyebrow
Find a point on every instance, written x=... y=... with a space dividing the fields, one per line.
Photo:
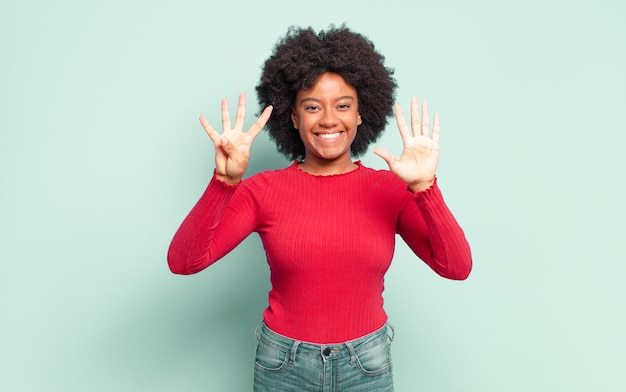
x=303 y=100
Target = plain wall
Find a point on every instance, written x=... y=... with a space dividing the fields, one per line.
x=102 y=156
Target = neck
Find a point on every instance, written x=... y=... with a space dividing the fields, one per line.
x=326 y=168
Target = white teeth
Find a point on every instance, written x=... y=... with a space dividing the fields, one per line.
x=329 y=135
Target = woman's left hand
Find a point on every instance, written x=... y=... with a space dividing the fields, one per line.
x=418 y=162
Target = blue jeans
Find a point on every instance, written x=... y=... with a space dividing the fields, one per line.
x=360 y=365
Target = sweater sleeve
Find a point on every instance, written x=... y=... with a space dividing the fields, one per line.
x=432 y=232
x=215 y=225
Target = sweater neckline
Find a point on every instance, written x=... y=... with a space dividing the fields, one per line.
x=359 y=165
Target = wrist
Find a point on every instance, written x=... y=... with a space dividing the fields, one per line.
x=227 y=179
x=420 y=186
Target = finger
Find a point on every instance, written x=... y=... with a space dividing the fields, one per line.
x=225 y=115
x=215 y=137
x=415 y=116
x=436 y=128
x=384 y=154
x=241 y=112
x=258 y=125
x=425 y=120
x=402 y=127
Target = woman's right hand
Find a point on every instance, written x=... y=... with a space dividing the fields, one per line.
x=232 y=147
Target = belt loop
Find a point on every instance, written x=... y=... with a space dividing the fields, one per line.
x=294 y=349
x=352 y=353
x=393 y=331
x=256 y=330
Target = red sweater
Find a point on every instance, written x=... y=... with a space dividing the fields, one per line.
x=329 y=241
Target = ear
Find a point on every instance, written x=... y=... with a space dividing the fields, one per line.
x=294 y=118
x=358 y=119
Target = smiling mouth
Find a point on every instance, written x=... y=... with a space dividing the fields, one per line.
x=329 y=135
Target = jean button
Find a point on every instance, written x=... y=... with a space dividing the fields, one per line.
x=326 y=351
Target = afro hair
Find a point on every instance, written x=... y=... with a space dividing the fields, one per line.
x=300 y=58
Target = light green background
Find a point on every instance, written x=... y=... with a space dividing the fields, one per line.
x=101 y=157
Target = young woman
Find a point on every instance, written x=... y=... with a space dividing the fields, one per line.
x=328 y=223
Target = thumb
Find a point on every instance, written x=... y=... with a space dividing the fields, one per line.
x=384 y=154
x=233 y=153
x=226 y=145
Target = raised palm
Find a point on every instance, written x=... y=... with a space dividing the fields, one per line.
x=418 y=162
x=232 y=147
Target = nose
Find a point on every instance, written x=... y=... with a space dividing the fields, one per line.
x=328 y=119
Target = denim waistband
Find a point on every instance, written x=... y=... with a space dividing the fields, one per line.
x=327 y=351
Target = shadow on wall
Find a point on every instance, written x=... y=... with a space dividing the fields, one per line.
x=189 y=332
x=196 y=331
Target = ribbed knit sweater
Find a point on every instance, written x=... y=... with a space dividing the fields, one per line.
x=329 y=241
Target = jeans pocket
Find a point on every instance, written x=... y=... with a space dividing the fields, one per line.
x=376 y=359
x=270 y=358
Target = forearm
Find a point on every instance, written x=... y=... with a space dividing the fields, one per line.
x=432 y=232
x=189 y=251
x=451 y=255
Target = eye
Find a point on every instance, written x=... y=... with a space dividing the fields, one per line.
x=344 y=106
x=311 y=108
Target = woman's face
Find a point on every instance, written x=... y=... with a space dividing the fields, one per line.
x=327 y=116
